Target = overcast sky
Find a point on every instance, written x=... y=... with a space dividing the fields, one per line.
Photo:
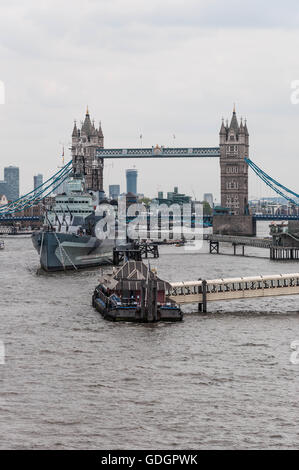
x=159 y=68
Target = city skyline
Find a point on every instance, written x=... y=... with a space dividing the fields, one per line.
x=10 y=184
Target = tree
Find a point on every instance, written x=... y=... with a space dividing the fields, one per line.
x=146 y=201
x=207 y=210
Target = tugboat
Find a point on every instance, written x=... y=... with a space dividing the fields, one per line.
x=134 y=293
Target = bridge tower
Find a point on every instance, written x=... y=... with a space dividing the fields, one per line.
x=234 y=147
x=86 y=140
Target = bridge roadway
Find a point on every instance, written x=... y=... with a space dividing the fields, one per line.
x=33 y=218
x=204 y=291
x=275 y=217
x=206 y=218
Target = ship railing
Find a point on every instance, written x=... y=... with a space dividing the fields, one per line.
x=217 y=286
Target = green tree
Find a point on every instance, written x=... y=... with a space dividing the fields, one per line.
x=146 y=201
x=207 y=210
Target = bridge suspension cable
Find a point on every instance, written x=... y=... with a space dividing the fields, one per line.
x=43 y=190
x=273 y=184
x=27 y=203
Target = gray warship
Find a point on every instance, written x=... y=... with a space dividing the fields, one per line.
x=67 y=239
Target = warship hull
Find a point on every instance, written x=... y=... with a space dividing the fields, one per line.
x=63 y=251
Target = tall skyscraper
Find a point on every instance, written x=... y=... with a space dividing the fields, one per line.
x=114 y=191
x=131 y=176
x=37 y=181
x=208 y=197
x=11 y=176
x=234 y=147
x=85 y=142
x=3 y=188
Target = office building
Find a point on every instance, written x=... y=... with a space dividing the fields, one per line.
x=114 y=191
x=173 y=197
x=208 y=197
x=3 y=188
x=131 y=176
x=37 y=181
x=11 y=176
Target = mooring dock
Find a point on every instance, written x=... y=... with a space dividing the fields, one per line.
x=204 y=291
x=277 y=253
x=133 y=292
x=135 y=252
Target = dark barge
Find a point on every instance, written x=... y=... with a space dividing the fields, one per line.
x=134 y=293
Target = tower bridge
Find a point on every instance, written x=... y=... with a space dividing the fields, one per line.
x=89 y=154
x=233 y=149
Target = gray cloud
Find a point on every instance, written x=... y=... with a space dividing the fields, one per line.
x=156 y=67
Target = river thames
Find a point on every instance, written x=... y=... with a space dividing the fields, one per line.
x=72 y=380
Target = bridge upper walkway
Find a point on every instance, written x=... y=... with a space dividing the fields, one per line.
x=240 y=240
x=159 y=152
x=233 y=288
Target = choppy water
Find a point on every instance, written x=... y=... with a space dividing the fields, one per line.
x=72 y=380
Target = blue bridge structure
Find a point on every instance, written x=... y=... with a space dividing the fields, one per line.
x=275 y=217
x=10 y=219
x=10 y=212
x=207 y=219
x=159 y=152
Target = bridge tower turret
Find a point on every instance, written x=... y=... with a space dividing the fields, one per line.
x=234 y=147
x=86 y=140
